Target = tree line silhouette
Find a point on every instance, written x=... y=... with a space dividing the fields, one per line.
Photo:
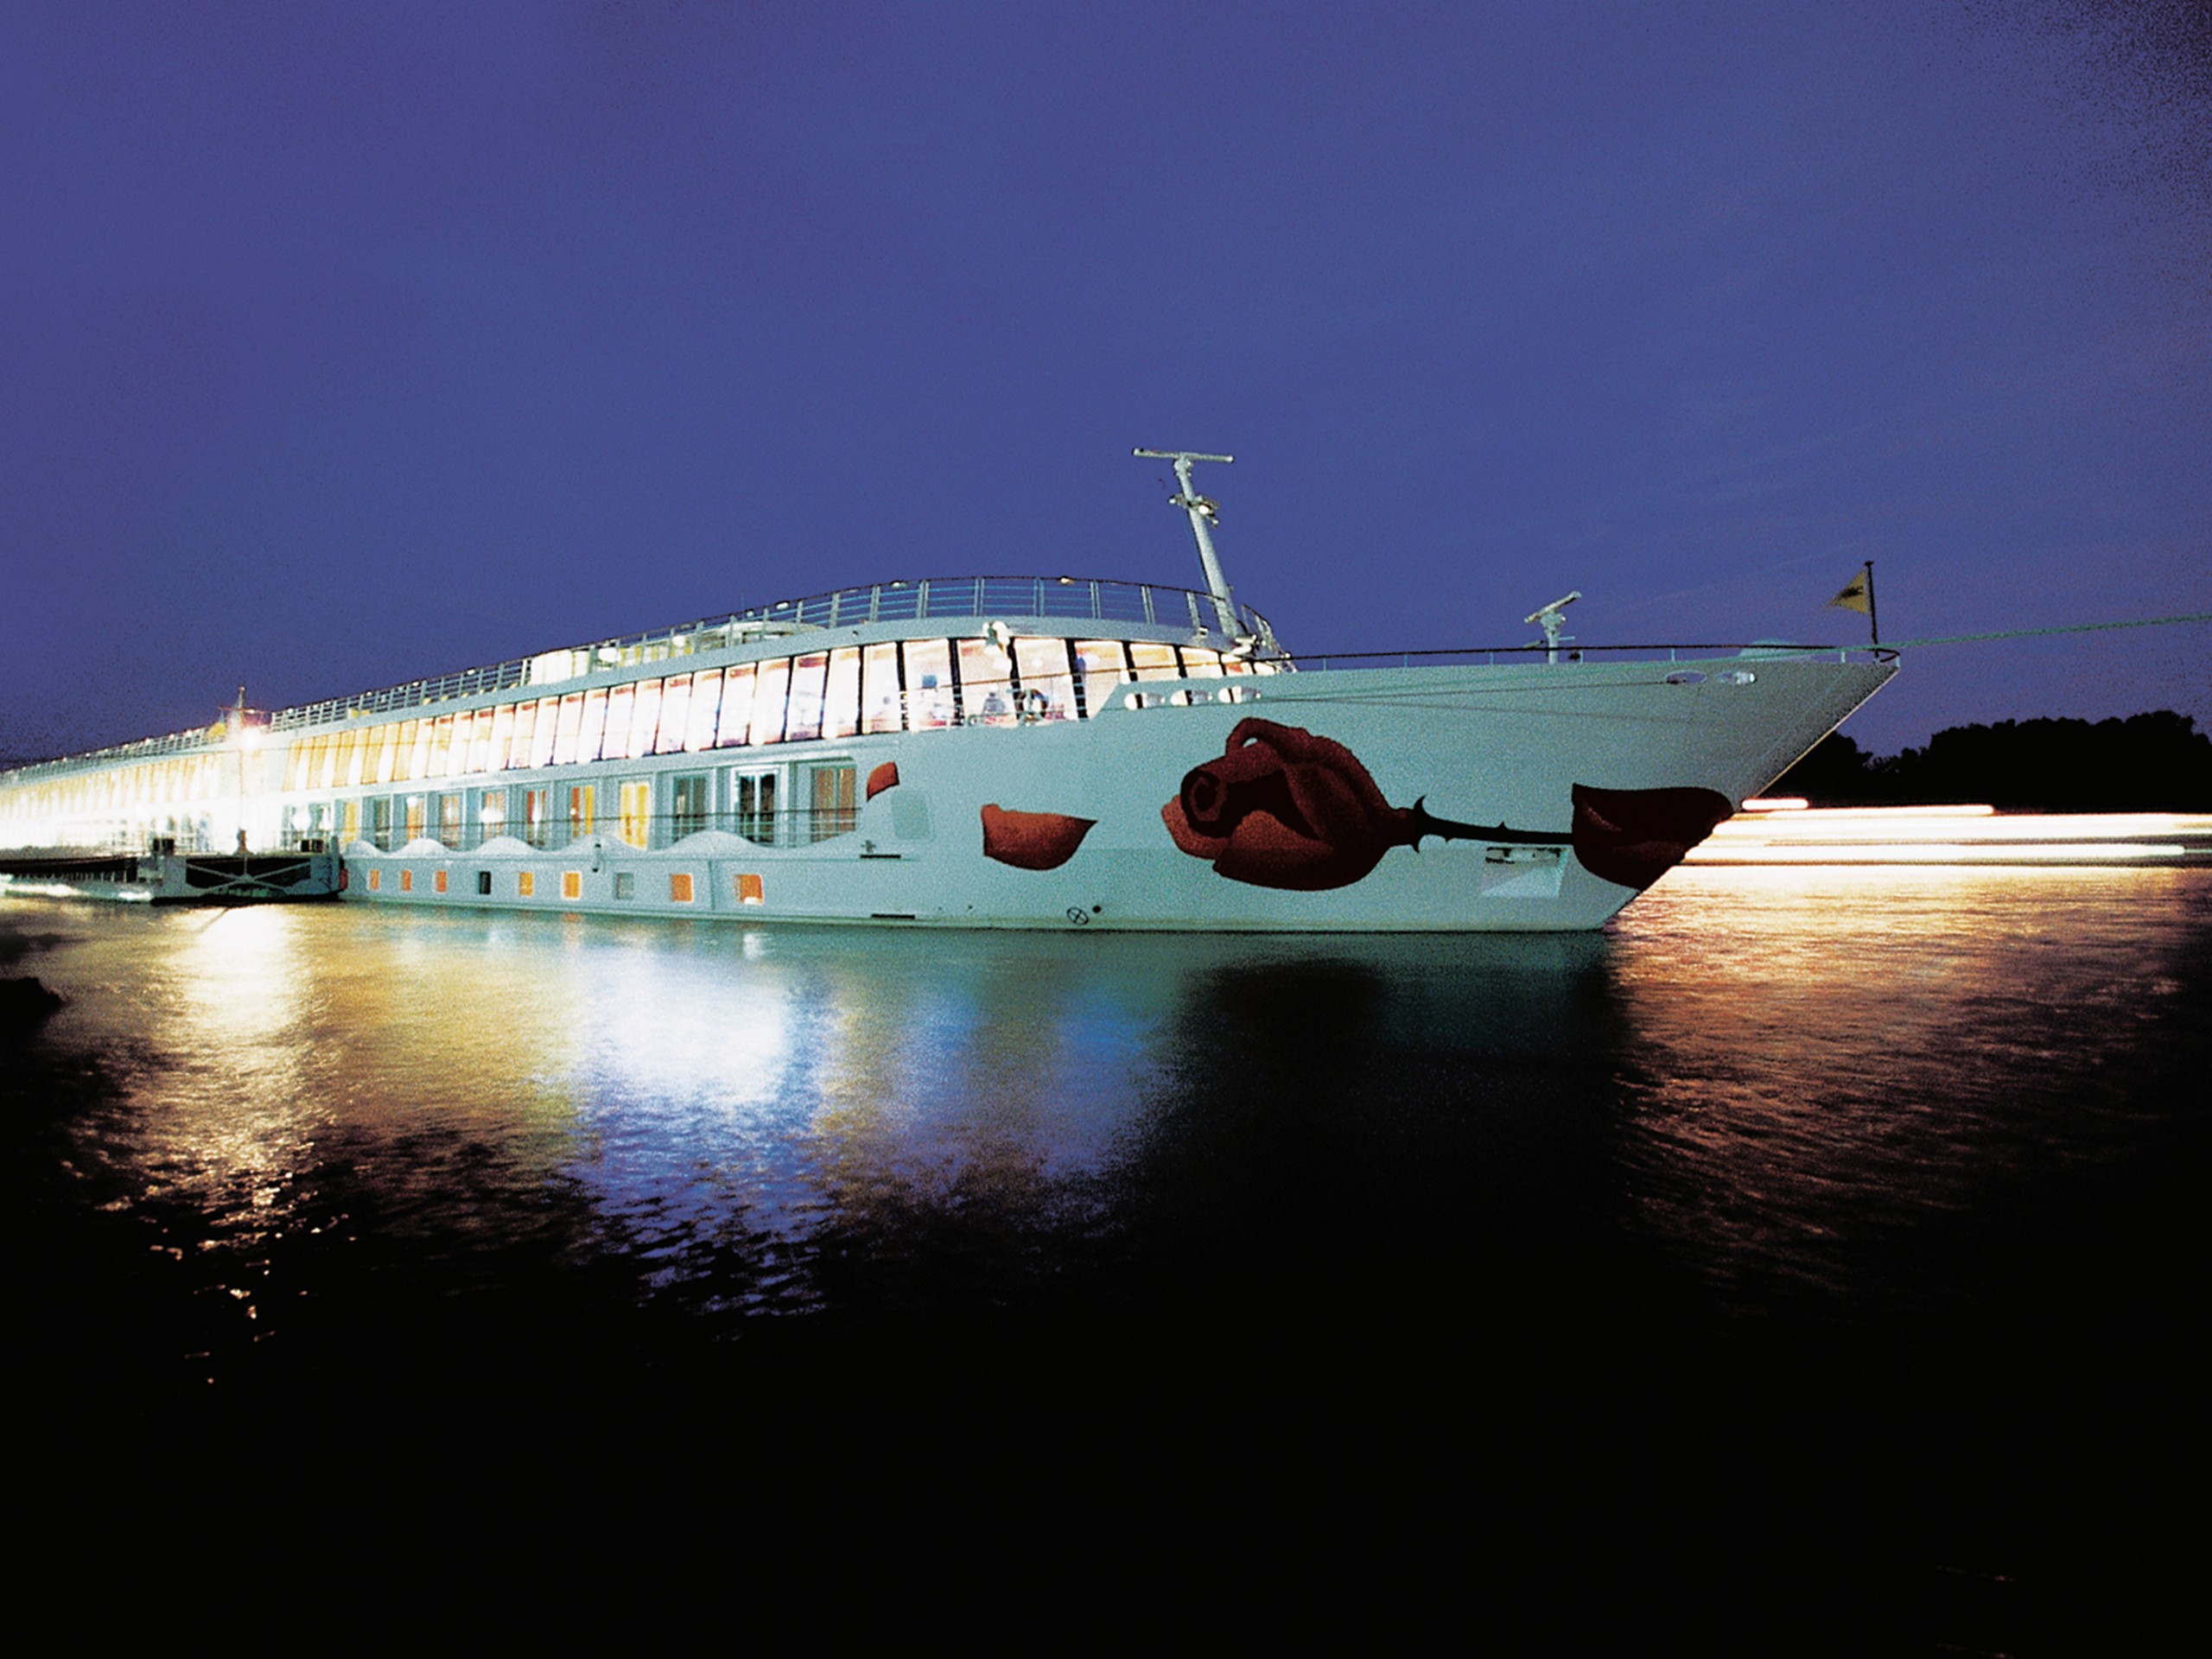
x=2156 y=762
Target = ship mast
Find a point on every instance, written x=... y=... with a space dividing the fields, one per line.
x=1204 y=515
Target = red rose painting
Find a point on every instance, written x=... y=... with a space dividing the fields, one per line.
x=1032 y=841
x=1283 y=808
x=1635 y=835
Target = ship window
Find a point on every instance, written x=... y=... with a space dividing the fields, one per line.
x=591 y=729
x=645 y=723
x=403 y=752
x=492 y=811
x=621 y=704
x=805 y=719
x=503 y=739
x=841 y=702
x=835 y=809
x=749 y=890
x=626 y=884
x=770 y=680
x=519 y=739
x=1101 y=665
x=353 y=830
x=689 y=803
x=879 y=688
x=706 y=699
x=526 y=884
x=572 y=884
x=564 y=736
x=754 y=800
x=479 y=741
x=582 y=817
x=986 y=681
x=472 y=741
x=438 y=880
x=1198 y=660
x=546 y=738
x=679 y=887
x=929 y=683
x=376 y=880
x=449 y=809
x=417 y=817
x=675 y=713
x=1154 y=661
x=535 y=823
x=484 y=883
x=406 y=880
x=737 y=708
x=439 y=747
x=380 y=822
x=1047 y=688
x=637 y=808
x=386 y=763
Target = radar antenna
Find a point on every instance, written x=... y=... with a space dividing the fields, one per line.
x=1551 y=619
x=1204 y=514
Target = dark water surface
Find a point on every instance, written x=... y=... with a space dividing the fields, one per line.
x=1849 y=1219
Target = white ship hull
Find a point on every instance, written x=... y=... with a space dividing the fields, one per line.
x=1505 y=746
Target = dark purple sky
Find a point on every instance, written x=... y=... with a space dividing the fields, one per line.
x=345 y=345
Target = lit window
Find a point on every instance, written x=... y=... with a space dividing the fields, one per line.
x=770 y=682
x=637 y=821
x=591 y=728
x=645 y=721
x=679 y=887
x=1047 y=688
x=1154 y=661
x=879 y=699
x=836 y=808
x=675 y=713
x=929 y=683
x=706 y=701
x=805 y=698
x=737 y=708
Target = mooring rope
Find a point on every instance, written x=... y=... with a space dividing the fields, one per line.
x=2023 y=633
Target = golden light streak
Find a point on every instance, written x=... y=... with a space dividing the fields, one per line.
x=1786 y=831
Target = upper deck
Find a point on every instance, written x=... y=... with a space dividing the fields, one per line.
x=1072 y=606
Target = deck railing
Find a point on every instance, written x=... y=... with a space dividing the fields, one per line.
x=1507 y=656
x=1054 y=598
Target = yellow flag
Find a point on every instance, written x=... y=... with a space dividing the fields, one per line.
x=1854 y=596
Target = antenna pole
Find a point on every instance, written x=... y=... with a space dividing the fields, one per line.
x=1204 y=515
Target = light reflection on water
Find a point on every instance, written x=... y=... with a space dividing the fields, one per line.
x=1825 y=1061
x=1764 y=1085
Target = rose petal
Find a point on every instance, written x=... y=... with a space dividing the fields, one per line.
x=1033 y=840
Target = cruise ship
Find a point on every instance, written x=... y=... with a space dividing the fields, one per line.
x=1033 y=752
